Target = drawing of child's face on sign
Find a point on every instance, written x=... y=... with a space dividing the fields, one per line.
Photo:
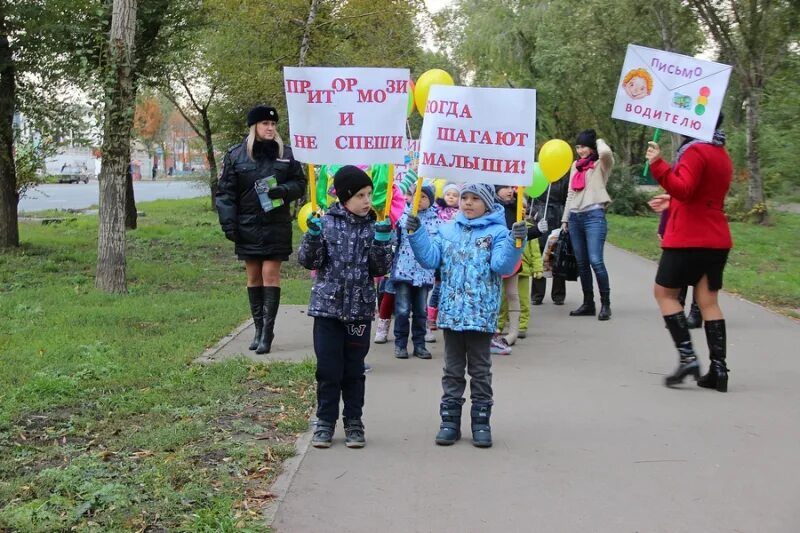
x=637 y=84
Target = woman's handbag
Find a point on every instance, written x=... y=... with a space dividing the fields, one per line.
x=565 y=266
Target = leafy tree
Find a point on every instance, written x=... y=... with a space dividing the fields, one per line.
x=148 y=120
x=31 y=78
x=571 y=53
x=756 y=36
x=340 y=33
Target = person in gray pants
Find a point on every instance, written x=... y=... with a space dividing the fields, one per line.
x=473 y=253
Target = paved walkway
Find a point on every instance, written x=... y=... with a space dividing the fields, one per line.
x=586 y=437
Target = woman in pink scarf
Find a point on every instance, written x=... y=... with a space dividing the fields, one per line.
x=585 y=219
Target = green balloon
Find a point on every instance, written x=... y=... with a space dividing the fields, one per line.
x=539 y=184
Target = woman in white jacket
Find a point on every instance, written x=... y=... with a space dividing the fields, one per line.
x=585 y=219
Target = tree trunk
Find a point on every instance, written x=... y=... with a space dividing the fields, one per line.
x=755 y=187
x=213 y=174
x=9 y=199
x=130 y=202
x=111 y=263
x=306 y=41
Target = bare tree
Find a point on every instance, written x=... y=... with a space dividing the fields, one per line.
x=120 y=95
x=755 y=35
x=193 y=104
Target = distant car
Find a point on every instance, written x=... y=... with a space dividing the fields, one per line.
x=73 y=174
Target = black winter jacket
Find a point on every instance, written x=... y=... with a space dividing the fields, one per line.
x=256 y=233
x=555 y=206
x=346 y=257
x=510 y=209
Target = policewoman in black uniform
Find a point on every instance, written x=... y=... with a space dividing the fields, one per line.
x=263 y=239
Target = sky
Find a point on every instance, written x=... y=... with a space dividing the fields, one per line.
x=436 y=5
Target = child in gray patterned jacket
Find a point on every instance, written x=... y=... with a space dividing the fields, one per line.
x=347 y=248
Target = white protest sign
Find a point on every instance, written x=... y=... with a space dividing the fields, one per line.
x=341 y=116
x=479 y=135
x=671 y=91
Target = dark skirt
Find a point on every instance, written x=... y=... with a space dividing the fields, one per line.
x=249 y=257
x=680 y=267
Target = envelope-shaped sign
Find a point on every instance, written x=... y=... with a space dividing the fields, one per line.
x=671 y=91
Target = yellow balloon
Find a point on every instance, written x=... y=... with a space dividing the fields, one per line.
x=555 y=159
x=302 y=217
x=439 y=185
x=428 y=78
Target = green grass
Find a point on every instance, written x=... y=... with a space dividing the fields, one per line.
x=105 y=423
x=763 y=267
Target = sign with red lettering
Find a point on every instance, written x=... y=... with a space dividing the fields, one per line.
x=671 y=91
x=341 y=116
x=479 y=135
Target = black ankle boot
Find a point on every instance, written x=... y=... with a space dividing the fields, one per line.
x=587 y=307
x=256 y=297
x=481 y=430
x=695 y=318
x=717 y=377
x=450 y=428
x=272 y=299
x=605 y=306
x=687 y=364
x=354 y=433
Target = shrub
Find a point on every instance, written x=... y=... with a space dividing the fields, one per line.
x=627 y=198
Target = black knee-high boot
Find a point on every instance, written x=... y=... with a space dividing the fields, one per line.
x=687 y=363
x=717 y=376
x=695 y=317
x=272 y=299
x=256 y=297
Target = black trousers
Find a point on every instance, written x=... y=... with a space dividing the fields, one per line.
x=539 y=286
x=340 y=348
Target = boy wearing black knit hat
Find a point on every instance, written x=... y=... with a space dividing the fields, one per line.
x=348 y=249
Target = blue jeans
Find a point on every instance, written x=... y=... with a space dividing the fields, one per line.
x=588 y=231
x=410 y=300
x=433 y=301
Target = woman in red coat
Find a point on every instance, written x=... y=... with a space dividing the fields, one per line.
x=695 y=246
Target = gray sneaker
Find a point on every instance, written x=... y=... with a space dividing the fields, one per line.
x=400 y=353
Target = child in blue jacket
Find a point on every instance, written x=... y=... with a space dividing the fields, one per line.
x=473 y=254
x=348 y=249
